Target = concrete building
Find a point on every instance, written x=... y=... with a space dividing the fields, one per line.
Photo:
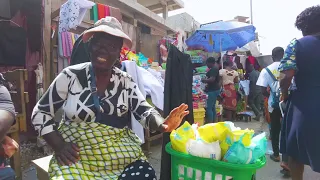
x=185 y=22
x=162 y=6
x=243 y=19
x=185 y=25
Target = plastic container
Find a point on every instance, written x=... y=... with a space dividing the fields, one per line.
x=187 y=167
x=200 y=121
x=199 y=113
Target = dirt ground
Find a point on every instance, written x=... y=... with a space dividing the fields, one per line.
x=29 y=151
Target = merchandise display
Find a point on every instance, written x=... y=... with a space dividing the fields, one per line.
x=234 y=144
x=197 y=56
x=139 y=58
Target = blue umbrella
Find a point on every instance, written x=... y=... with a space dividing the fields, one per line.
x=222 y=36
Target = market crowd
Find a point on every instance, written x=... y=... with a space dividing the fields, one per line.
x=286 y=92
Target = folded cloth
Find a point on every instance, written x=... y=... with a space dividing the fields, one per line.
x=101 y=11
x=95 y=13
x=115 y=12
x=107 y=10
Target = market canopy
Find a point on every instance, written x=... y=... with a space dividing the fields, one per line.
x=222 y=36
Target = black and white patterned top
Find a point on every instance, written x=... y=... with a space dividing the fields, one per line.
x=71 y=91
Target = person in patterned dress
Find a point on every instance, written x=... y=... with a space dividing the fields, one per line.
x=300 y=87
x=94 y=140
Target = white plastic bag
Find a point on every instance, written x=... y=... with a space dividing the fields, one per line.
x=203 y=149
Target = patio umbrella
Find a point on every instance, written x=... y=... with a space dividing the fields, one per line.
x=222 y=36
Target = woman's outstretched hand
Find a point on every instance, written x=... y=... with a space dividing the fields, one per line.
x=175 y=117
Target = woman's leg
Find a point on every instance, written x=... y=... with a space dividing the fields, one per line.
x=210 y=105
x=7 y=174
x=215 y=97
x=296 y=169
x=275 y=117
x=138 y=170
x=228 y=115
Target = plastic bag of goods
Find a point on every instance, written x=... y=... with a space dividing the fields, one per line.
x=203 y=149
x=239 y=154
x=243 y=136
x=180 y=137
x=213 y=132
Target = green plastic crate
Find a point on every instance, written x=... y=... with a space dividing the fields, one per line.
x=187 y=167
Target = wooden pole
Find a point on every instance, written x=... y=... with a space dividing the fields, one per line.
x=47 y=44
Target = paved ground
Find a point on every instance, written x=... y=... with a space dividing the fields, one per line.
x=269 y=172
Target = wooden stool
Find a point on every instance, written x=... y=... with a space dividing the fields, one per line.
x=246 y=116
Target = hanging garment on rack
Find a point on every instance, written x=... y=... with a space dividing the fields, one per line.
x=107 y=10
x=177 y=90
x=95 y=16
x=13 y=43
x=80 y=52
x=101 y=11
x=32 y=10
x=72 y=13
x=66 y=41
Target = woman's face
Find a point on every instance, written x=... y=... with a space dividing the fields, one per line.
x=105 y=51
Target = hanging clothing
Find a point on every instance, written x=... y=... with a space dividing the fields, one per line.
x=32 y=10
x=8 y=8
x=13 y=43
x=80 y=52
x=177 y=90
x=107 y=10
x=66 y=42
x=101 y=11
x=72 y=13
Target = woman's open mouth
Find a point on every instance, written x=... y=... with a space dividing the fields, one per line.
x=100 y=59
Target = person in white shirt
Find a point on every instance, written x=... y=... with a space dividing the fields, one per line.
x=265 y=80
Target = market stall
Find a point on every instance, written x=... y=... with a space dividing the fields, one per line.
x=226 y=36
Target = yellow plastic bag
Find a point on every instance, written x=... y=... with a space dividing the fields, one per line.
x=213 y=132
x=246 y=140
x=234 y=136
x=180 y=137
